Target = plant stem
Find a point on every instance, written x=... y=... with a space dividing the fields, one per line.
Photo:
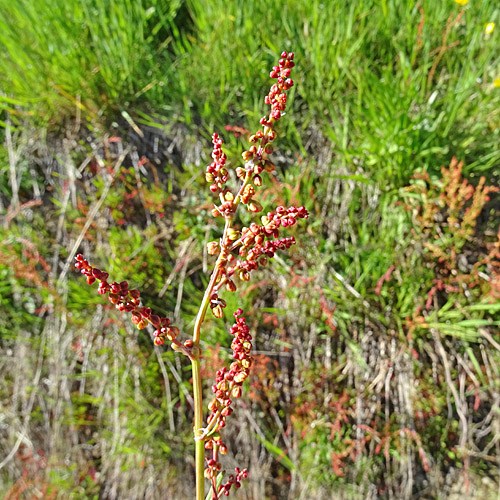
x=197 y=389
x=195 y=358
x=198 y=424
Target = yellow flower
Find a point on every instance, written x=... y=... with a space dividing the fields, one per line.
x=496 y=82
x=462 y=2
x=489 y=28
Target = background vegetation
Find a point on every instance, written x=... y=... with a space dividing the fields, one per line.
x=378 y=345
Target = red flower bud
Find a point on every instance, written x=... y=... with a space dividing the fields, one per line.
x=212 y=247
x=244 y=276
x=254 y=206
x=218 y=311
x=142 y=324
x=172 y=332
x=113 y=298
x=226 y=412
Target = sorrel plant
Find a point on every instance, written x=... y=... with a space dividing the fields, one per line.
x=240 y=252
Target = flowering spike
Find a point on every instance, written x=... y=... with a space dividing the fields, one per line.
x=127 y=300
x=240 y=252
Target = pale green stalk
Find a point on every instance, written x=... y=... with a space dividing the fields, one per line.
x=195 y=358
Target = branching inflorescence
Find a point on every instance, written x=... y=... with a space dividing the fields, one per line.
x=128 y=300
x=240 y=252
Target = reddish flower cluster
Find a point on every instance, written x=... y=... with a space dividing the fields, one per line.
x=271 y=223
x=256 y=244
x=255 y=158
x=229 y=382
x=233 y=479
x=129 y=301
x=216 y=172
x=277 y=97
x=228 y=385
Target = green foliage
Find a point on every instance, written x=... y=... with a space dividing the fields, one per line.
x=351 y=383
x=386 y=90
x=82 y=56
x=421 y=316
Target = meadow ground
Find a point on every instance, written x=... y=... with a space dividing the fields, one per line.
x=377 y=345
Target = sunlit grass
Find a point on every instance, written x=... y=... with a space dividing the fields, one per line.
x=383 y=88
x=63 y=57
x=392 y=85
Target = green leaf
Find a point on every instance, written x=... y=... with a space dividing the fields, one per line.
x=491 y=308
x=476 y=364
x=277 y=452
x=478 y=322
x=220 y=477
x=164 y=446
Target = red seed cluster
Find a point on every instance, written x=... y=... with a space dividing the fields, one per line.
x=129 y=301
x=255 y=244
x=277 y=97
x=282 y=217
x=228 y=382
x=228 y=385
x=246 y=251
x=216 y=172
x=255 y=157
x=234 y=479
